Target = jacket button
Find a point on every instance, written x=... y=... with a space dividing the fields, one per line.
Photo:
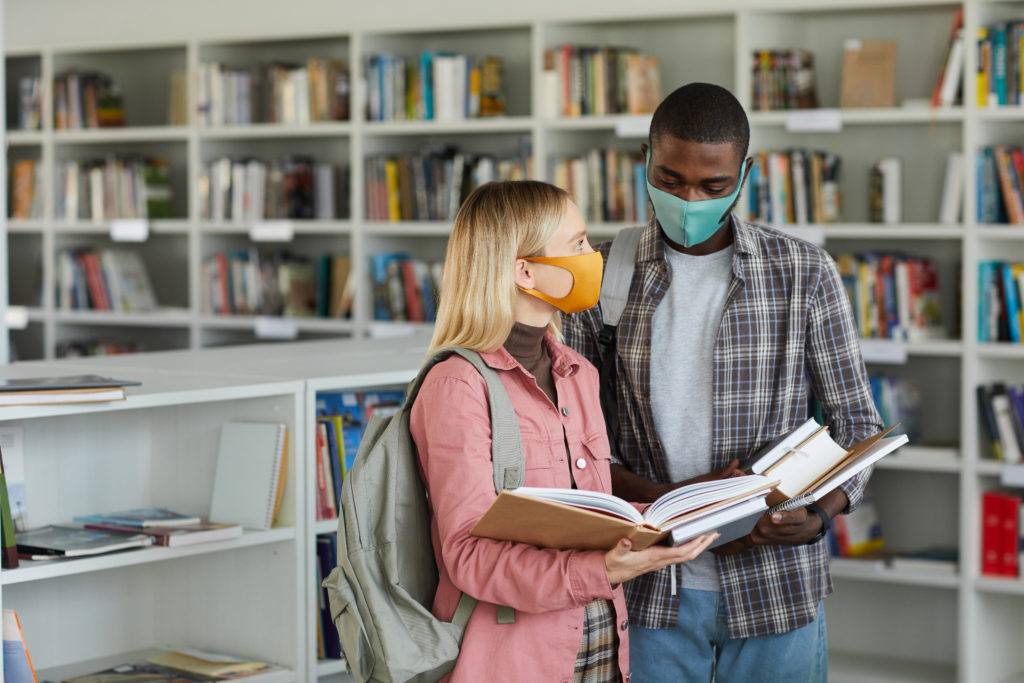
x=581 y=463
x=625 y=625
x=565 y=410
x=629 y=676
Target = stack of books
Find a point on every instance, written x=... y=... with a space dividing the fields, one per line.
x=1000 y=79
x=113 y=187
x=583 y=80
x=26 y=189
x=186 y=664
x=607 y=185
x=165 y=527
x=1000 y=297
x=405 y=289
x=105 y=280
x=1000 y=170
x=68 y=389
x=86 y=100
x=797 y=186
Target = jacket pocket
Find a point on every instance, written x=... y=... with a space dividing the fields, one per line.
x=600 y=456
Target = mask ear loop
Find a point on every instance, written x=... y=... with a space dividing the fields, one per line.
x=739 y=190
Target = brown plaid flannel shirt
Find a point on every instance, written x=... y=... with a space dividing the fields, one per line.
x=787 y=332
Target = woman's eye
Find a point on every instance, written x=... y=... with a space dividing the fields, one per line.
x=579 y=245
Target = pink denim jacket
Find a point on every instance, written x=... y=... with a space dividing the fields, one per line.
x=547 y=588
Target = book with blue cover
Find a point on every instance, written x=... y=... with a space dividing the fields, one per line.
x=54 y=541
x=141 y=517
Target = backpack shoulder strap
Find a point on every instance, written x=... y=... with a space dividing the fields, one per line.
x=507 y=457
x=618 y=274
x=506 y=443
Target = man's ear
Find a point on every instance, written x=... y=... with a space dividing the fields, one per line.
x=523 y=275
x=643 y=149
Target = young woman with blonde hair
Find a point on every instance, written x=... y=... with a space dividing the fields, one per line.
x=517 y=255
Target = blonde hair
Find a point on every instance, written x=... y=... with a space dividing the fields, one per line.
x=498 y=223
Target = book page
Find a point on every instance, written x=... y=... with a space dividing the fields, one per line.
x=805 y=464
x=591 y=500
x=686 y=500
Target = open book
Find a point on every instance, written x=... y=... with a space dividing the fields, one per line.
x=808 y=464
x=591 y=520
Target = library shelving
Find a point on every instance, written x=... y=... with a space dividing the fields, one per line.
x=959 y=628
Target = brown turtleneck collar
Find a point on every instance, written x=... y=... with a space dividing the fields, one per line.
x=526 y=344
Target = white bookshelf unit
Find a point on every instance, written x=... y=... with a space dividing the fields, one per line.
x=883 y=625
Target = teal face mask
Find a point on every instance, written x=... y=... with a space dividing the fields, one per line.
x=690 y=223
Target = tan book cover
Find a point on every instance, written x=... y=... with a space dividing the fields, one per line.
x=869 y=74
x=596 y=521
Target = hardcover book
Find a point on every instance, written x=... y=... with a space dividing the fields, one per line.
x=592 y=520
x=141 y=517
x=50 y=542
x=173 y=536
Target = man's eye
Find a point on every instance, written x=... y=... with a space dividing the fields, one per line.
x=714 y=190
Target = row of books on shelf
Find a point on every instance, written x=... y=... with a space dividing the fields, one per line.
x=1000 y=301
x=1000 y=172
x=783 y=79
x=1001 y=414
x=1001 y=529
x=605 y=184
x=275 y=282
x=26 y=189
x=404 y=288
x=341 y=419
x=898 y=401
x=113 y=187
x=893 y=296
x=246 y=189
x=859 y=536
x=327 y=640
x=433 y=86
x=1000 y=79
x=87 y=100
x=278 y=92
x=431 y=185
x=30 y=103
x=103 y=280
x=581 y=80
x=96 y=346
x=794 y=186
x=154 y=666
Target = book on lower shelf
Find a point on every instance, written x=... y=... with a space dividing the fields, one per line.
x=17 y=667
x=183 y=664
x=937 y=560
x=176 y=536
x=69 y=389
x=141 y=517
x=56 y=541
x=808 y=464
x=252 y=463
x=581 y=519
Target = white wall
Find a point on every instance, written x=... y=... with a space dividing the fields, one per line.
x=85 y=23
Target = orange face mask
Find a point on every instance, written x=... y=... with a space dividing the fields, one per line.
x=586 y=272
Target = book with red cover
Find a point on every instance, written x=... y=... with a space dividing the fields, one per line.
x=180 y=535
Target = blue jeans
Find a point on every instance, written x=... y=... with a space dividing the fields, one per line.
x=699 y=649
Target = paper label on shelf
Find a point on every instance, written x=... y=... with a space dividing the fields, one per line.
x=129 y=229
x=276 y=328
x=814 y=121
x=633 y=126
x=1012 y=475
x=887 y=351
x=16 y=318
x=809 y=233
x=393 y=330
x=272 y=231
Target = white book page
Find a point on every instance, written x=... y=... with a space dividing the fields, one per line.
x=695 y=496
x=802 y=467
x=791 y=441
x=878 y=450
x=591 y=500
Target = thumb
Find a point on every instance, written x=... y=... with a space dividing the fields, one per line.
x=623 y=546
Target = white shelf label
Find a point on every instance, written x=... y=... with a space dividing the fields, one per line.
x=809 y=233
x=633 y=126
x=887 y=351
x=129 y=229
x=272 y=231
x=814 y=121
x=393 y=330
x=1012 y=475
x=16 y=318
x=276 y=328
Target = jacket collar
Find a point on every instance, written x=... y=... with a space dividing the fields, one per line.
x=652 y=245
x=564 y=362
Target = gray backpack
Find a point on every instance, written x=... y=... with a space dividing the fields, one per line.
x=383 y=587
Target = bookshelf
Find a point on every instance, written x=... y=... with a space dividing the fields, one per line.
x=978 y=616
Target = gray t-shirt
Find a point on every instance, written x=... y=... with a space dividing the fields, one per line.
x=684 y=330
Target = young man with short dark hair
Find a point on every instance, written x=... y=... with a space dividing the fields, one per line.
x=728 y=329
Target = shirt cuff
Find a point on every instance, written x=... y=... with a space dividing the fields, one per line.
x=588 y=577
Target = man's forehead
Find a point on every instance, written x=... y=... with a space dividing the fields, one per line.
x=668 y=151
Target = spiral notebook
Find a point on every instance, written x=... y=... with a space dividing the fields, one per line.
x=252 y=460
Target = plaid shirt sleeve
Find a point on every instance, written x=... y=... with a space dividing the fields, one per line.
x=836 y=369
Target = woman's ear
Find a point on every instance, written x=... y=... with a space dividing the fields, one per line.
x=524 y=274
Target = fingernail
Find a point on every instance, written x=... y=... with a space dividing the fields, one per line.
x=777 y=517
